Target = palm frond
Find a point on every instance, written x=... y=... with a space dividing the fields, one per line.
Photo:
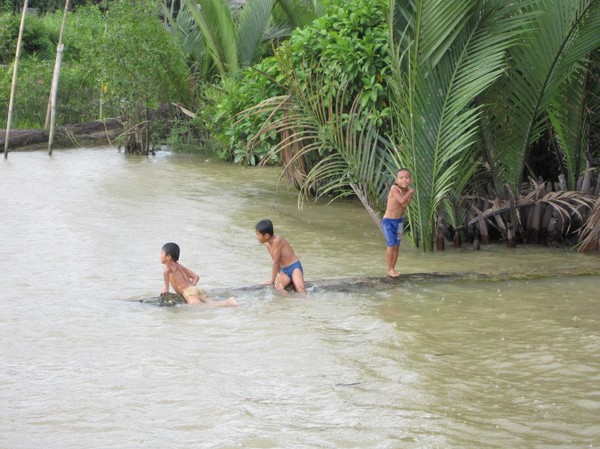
x=568 y=204
x=589 y=238
x=568 y=115
x=300 y=13
x=252 y=24
x=214 y=19
x=565 y=32
x=184 y=26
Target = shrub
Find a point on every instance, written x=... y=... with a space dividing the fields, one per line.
x=347 y=48
x=223 y=103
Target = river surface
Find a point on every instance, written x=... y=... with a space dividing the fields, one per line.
x=83 y=364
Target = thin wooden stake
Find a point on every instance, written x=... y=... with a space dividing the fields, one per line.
x=14 y=79
x=54 y=89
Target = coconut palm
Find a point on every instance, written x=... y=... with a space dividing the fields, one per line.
x=446 y=54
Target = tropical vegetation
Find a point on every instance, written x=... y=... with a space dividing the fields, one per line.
x=492 y=104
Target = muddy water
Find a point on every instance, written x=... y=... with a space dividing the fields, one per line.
x=511 y=364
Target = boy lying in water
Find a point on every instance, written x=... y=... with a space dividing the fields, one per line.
x=183 y=280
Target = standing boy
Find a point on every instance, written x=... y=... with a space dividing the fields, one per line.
x=183 y=280
x=398 y=199
x=286 y=266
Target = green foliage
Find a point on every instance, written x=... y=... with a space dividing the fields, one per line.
x=142 y=65
x=41 y=6
x=223 y=104
x=77 y=94
x=9 y=32
x=31 y=97
x=348 y=46
x=81 y=38
x=38 y=40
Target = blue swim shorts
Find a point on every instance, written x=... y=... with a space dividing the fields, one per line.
x=289 y=270
x=392 y=229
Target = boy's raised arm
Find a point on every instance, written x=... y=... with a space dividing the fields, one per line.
x=403 y=198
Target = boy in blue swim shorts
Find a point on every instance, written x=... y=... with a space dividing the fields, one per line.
x=287 y=268
x=399 y=197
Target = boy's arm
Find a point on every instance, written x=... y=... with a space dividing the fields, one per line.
x=166 y=279
x=403 y=198
x=274 y=273
x=275 y=250
x=193 y=277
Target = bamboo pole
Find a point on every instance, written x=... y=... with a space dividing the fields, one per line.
x=54 y=89
x=14 y=80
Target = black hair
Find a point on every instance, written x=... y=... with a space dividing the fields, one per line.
x=404 y=169
x=171 y=249
x=265 y=227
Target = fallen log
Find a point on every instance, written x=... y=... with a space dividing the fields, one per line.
x=352 y=285
x=67 y=135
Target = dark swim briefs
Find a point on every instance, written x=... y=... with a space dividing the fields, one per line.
x=392 y=229
x=289 y=270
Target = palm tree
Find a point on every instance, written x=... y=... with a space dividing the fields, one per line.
x=446 y=54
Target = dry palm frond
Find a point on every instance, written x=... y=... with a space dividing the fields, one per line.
x=569 y=203
x=566 y=204
x=589 y=238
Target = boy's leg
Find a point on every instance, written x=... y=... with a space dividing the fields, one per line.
x=298 y=280
x=282 y=281
x=391 y=255
x=193 y=299
x=225 y=303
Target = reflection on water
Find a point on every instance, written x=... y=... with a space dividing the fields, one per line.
x=433 y=365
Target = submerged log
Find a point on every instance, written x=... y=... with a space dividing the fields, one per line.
x=353 y=285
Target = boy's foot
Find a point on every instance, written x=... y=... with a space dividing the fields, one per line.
x=393 y=273
x=230 y=302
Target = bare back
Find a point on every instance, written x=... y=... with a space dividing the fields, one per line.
x=179 y=276
x=281 y=251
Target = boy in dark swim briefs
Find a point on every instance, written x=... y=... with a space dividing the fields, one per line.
x=399 y=197
x=286 y=266
x=183 y=280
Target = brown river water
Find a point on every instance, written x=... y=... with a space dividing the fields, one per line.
x=83 y=364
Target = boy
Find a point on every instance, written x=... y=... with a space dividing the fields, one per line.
x=184 y=280
x=286 y=266
x=398 y=199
